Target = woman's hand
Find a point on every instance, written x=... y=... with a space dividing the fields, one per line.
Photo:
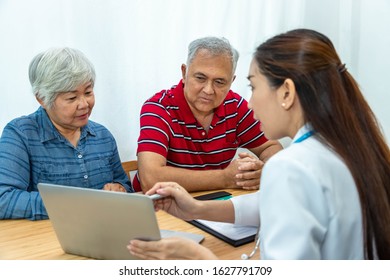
x=176 y=200
x=173 y=248
x=114 y=187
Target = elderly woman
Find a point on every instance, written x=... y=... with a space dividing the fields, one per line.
x=58 y=143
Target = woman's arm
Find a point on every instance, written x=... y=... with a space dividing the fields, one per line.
x=16 y=202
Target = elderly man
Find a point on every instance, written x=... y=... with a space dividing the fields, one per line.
x=190 y=133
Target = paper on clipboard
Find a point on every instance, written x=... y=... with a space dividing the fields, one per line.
x=235 y=235
x=232 y=231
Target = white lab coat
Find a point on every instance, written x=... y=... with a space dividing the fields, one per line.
x=308 y=205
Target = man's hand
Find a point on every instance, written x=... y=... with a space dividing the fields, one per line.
x=244 y=172
x=249 y=171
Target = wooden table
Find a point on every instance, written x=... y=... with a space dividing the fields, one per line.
x=24 y=239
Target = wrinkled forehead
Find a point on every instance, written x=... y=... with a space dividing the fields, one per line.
x=211 y=62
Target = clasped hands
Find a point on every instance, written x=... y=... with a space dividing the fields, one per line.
x=244 y=172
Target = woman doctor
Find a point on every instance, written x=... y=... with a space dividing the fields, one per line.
x=324 y=197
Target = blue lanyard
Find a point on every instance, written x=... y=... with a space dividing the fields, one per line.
x=304 y=136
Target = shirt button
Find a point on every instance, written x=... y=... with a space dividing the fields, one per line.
x=203 y=133
x=85 y=176
x=80 y=156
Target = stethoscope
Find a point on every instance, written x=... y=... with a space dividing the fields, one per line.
x=257 y=244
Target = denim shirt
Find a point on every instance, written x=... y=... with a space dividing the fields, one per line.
x=32 y=151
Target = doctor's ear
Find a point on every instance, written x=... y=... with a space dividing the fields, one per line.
x=287 y=94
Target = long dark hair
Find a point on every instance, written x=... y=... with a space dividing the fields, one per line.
x=334 y=105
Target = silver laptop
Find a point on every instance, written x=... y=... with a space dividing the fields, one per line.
x=99 y=224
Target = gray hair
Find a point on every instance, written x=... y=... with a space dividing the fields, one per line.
x=59 y=70
x=216 y=46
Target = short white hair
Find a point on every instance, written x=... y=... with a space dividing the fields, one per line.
x=214 y=45
x=59 y=70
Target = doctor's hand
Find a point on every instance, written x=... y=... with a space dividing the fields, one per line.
x=173 y=248
x=249 y=171
x=176 y=200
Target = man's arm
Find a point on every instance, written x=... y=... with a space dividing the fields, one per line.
x=268 y=149
x=152 y=168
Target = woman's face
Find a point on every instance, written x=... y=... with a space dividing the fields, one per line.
x=71 y=110
x=264 y=103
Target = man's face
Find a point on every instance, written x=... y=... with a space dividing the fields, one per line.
x=207 y=81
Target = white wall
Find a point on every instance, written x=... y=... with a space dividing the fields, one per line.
x=137 y=46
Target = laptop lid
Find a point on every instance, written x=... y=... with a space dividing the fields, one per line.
x=99 y=224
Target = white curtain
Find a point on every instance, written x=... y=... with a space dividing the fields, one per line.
x=137 y=46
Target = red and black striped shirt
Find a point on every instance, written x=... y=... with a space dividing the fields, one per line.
x=169 y=128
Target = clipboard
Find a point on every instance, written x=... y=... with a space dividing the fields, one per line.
x=219 y=230
x=235 y=235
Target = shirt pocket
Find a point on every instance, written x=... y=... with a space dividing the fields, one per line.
x=100 y=170
x=54 y=174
